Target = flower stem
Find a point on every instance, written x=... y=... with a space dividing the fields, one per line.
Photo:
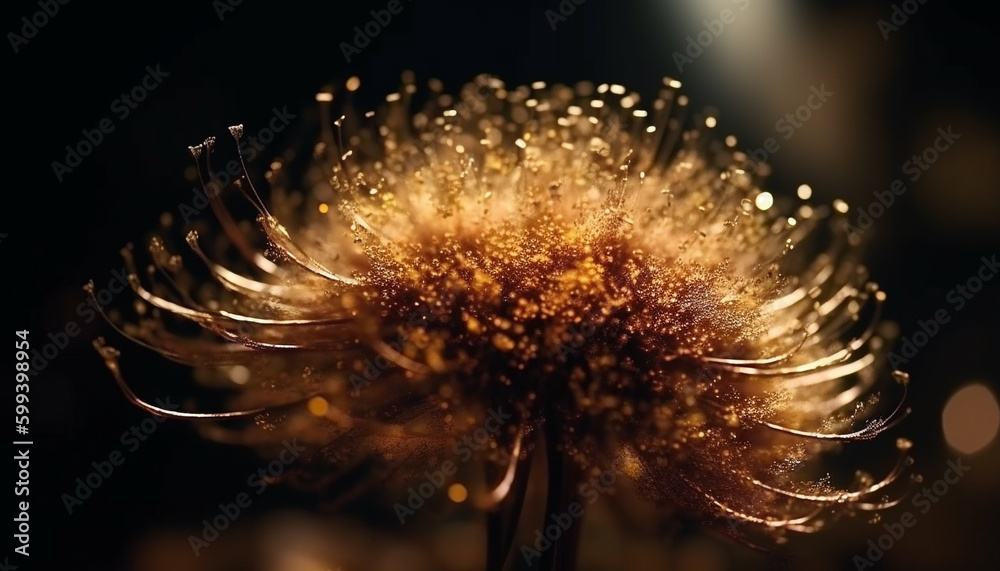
x=501 y=524
x=564 y=478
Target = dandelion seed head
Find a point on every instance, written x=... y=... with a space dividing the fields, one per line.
x=624 y=286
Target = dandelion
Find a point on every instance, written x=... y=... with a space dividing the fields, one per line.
x=622 y=285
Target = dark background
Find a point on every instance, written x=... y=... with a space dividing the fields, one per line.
x=938 y=69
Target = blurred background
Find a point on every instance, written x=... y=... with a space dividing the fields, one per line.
x=895 y=77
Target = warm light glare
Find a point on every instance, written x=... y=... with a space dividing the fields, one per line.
x=971 y=418
x=805 y=191
x=764 y=200
x=324 y=208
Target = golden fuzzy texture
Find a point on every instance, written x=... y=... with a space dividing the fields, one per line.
x=546 y=250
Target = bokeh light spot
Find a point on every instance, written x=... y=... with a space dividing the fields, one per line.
x=971 y=418
x=457 y=493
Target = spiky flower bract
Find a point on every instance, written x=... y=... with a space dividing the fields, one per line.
x=620 y=288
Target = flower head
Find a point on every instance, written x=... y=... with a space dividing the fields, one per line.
x=621 y=287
